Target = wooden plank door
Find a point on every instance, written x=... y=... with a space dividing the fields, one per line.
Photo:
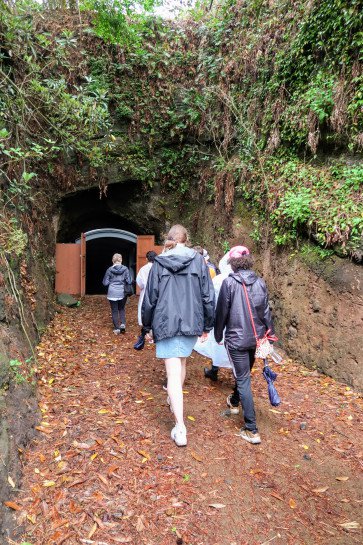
x=145 y=243
x=68 y=269
x=83 y=265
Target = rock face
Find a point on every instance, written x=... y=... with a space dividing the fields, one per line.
x=317 y=305
x=319 y=316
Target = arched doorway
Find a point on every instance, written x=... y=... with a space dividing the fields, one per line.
x=101 y=244
x=80 y=266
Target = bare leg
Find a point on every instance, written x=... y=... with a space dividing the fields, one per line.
x=183 y=369
x=173 y=368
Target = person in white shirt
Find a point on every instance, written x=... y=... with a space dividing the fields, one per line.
x=141 y=281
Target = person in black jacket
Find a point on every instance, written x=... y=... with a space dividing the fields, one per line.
x=178 y=307
x=232 y=313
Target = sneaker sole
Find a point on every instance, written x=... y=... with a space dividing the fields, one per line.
x=251 y=441
x=179 y=444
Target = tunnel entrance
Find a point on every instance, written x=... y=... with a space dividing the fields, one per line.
x=114 y=223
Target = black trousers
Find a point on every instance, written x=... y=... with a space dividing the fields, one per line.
x=118 y=312
x=242 y=361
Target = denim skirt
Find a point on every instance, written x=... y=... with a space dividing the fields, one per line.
x=180 y=346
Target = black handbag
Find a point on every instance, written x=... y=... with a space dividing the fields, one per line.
x=128 y=289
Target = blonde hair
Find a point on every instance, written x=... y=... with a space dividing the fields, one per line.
x=116 y=258
x=177 y=234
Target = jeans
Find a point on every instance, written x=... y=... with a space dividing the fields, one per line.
x=118 y=312
x=242 y=361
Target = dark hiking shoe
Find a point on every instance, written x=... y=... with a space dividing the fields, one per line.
x=140 y=343
x=211 y=373
x=250 y=436
x=234 y=409
x=122 y=328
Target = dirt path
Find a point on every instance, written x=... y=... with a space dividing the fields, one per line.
x=103 y=469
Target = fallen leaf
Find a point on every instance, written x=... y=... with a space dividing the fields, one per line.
x=255 y=471
x=139 y=525
x=111 y=469
x=275 y=495
x=292 y=503
x=341 y=478
x=103 y=411
x=350 y=525
x=76 y=482
x=144 y=454
x=81 y=446
x=191 y=418
x=32 y=518
x=49 y=483
x=103 y=479
x=11 y=482
x=43 y=430
x=320 y=490
x=196 y=457
x=93 y=529
x=217 y=505
x=13 y=505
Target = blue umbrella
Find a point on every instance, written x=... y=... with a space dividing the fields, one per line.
x=270 y=377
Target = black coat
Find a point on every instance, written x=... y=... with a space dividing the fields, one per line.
x=179 y=296
x=232 y=310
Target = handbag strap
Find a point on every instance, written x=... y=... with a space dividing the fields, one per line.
x=249 y=310
x=269 y=337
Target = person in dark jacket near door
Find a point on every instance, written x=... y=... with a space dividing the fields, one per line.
x=178 y=307
x=115 y=279
x=232 y=313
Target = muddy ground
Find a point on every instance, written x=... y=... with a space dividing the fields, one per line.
x=103 y=469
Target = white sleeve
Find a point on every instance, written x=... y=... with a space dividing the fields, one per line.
x=141 y=278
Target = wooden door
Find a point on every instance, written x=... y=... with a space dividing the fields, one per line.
x=68 y=269
x=83 y=265
x=145 y=243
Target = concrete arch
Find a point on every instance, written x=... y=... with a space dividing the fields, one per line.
x=109 y=233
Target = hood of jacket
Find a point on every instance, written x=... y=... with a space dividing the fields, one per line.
x=176 y=262
x=118 y=269
x=246 y=276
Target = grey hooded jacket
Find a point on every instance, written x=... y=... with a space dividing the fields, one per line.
x=232 y=310
x=115 y=279
x=179 y=295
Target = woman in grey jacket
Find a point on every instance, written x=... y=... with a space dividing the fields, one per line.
x=178 y=307
x=232 y=313
x=115 y=279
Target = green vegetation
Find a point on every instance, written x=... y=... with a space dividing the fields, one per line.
x=252 y=101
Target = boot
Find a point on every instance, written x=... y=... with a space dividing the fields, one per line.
x=211 y=373
x=140 y=343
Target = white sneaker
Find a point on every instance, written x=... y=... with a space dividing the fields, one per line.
x=179 y=435
x=116 y=331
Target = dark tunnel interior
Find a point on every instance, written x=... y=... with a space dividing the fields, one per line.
x=99 y=254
